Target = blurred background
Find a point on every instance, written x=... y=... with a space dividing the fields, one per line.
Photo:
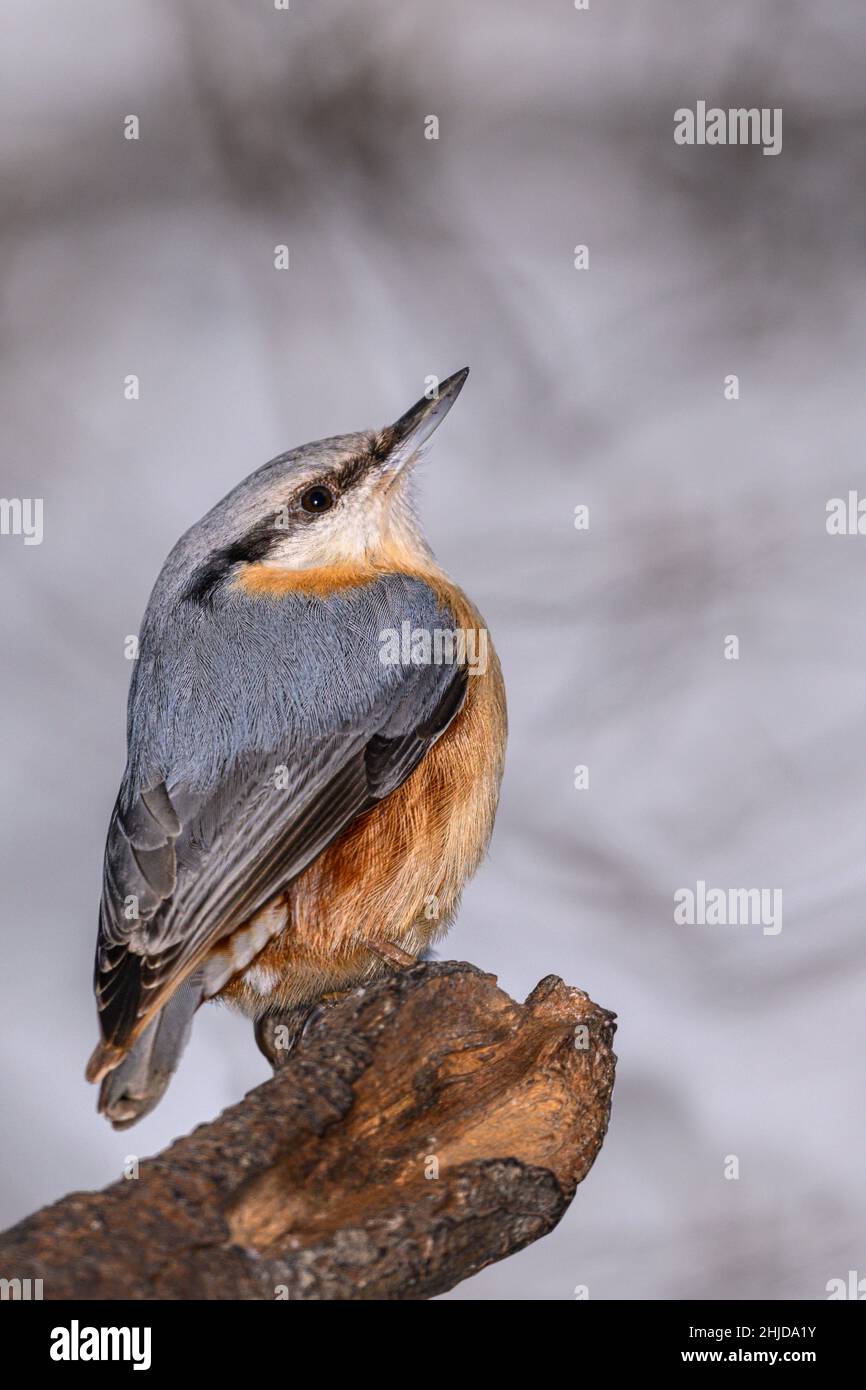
x=604 y=387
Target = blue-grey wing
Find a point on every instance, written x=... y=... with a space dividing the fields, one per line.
x=259 y=730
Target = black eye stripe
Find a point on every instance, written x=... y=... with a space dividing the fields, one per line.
x=247 y=549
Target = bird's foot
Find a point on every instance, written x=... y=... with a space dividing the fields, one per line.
x=277 y=1034
x=393 y=954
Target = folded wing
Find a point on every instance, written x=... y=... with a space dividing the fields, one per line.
x=190 y=859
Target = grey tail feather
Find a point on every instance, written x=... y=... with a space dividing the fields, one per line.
x=138 y=1084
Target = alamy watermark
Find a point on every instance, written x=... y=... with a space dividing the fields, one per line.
x=729 y=907
x=846 y=516
x=22 y=516
x=20 y=1290
x=441 y=646
x=77 y=1343
x=738 y=125
x=853 y=1287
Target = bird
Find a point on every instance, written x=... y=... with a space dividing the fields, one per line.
x=304 y=796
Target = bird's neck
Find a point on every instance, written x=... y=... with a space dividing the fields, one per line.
x=394 y=554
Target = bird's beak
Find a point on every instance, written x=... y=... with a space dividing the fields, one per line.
x=402 y=440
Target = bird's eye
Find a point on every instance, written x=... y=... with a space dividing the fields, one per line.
x=317 y=499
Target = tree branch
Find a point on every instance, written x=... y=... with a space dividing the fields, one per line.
x=424 y=1127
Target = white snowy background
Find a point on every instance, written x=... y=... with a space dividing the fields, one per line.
x=603 y=387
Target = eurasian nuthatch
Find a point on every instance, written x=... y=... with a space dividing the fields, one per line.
x=313 y=763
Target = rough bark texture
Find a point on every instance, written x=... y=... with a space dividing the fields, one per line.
x=318 y=1184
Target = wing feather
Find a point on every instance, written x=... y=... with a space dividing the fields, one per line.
x=184 y=867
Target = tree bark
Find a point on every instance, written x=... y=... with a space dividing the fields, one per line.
x=422 y=1128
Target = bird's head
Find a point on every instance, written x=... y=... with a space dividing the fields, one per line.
x=339 y=501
